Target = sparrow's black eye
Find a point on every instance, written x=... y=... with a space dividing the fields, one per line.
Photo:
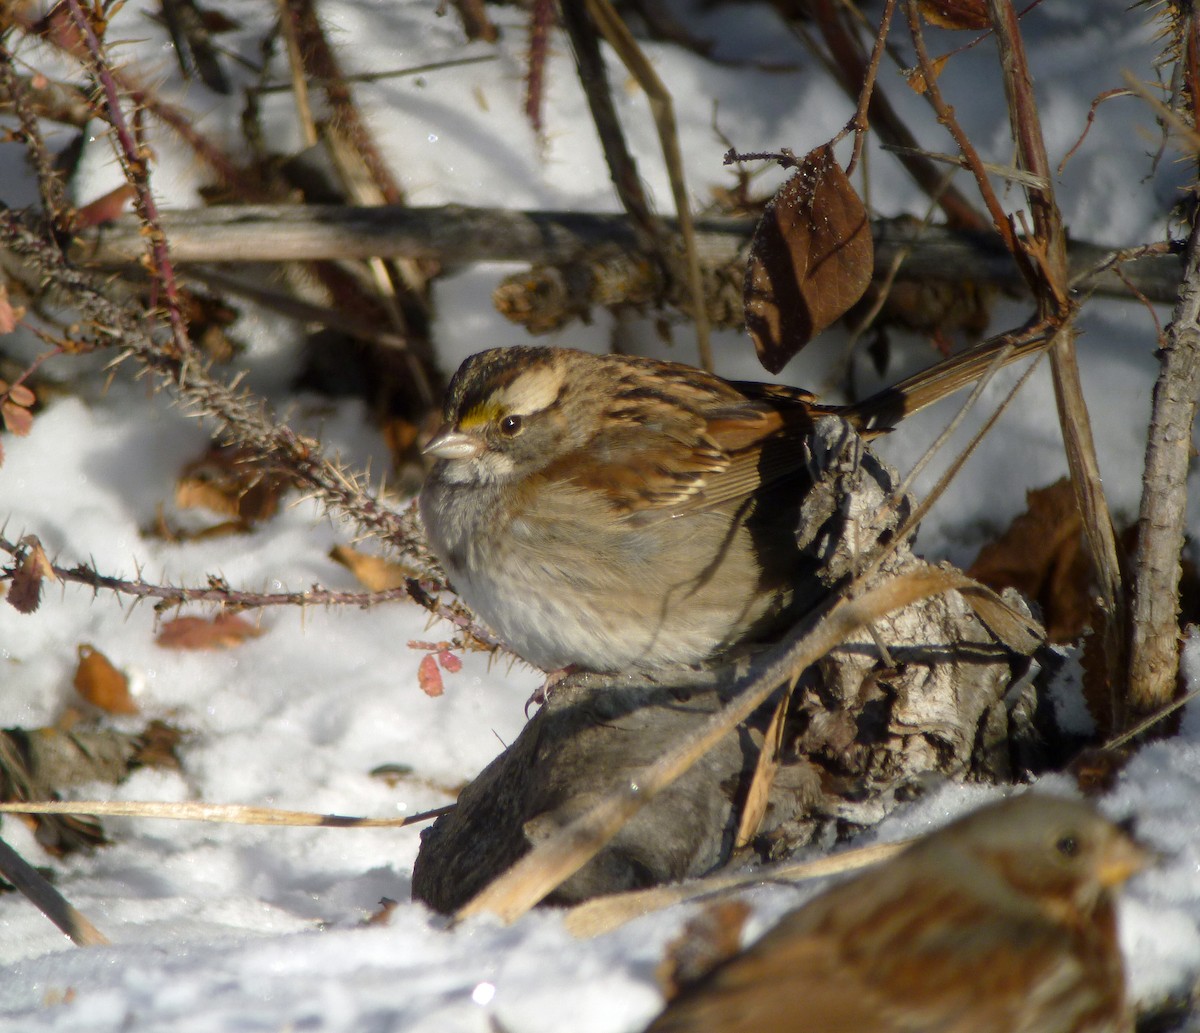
x=511 y=426
x=1067 y=845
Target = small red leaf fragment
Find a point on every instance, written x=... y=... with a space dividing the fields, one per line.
x=449 y=661
x=9 y=316
x=429 y=678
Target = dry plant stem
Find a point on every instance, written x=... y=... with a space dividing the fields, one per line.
x=1154 y=598
x=547 y=865
x=456 y=235
x=48 y=900
x=622 y=41
x=945 y=115
x=220 y=813
x=852 y=73
x=1051 y=291
x=181 y=122
x=603 y=914
x=299 y=81
x=135 y=162
x=861 y=122
x=322 y=65
x=594 y=79
x=50 y=185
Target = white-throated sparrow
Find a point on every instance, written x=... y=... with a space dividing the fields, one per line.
x=615 y=512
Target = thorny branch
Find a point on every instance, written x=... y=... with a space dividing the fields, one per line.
x=135 y=162
x=423 y=591
x=244 y=417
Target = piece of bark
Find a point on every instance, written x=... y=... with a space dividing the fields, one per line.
x=865 y=728
x=1154 y=607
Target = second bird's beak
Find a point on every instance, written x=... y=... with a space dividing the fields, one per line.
x=449 y=443
x=1122 y=858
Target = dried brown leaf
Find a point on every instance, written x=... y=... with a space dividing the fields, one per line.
x=1042 y=556
x=223 y=631
x=915 y=77
x=104 y=209
x=21 y=395
x=9 y=317
x=25 y=590
x=449 y=661
x=810 y=260
x=17 y=419
x=374 y=572
x=956 y=14
x=226 y=480
x=101 y=684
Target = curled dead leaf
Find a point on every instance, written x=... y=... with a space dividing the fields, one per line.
x=227 y=481
x=915 y=77
x=101 y=684
x=10 y=315
x=223 y=631
x=103 y=209
x=25 y=589
x=449 y=661
x=374 y=572
x=1042 y=556
x=811 y=259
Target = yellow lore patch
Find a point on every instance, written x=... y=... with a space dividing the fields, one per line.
x=480 y=415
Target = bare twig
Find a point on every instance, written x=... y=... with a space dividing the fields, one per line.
x=851 y=72
x=424 y=590
x=1154 y=602
x=456 y=235
x=661 y=107
x=945 y=114
x=861 y=121
x=48 y=900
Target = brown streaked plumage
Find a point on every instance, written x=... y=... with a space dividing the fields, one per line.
x=615 y=512
x=1002 y=922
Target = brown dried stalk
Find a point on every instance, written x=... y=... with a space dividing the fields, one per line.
x=1051 y=289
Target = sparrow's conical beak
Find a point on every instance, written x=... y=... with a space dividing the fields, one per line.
x=449 y=443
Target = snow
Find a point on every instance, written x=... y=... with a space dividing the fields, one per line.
x=234 y=928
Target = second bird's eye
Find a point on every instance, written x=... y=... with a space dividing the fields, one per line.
x=510 y=426
x=1067 y=845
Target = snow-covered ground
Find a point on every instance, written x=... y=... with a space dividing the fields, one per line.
x=218 y=928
